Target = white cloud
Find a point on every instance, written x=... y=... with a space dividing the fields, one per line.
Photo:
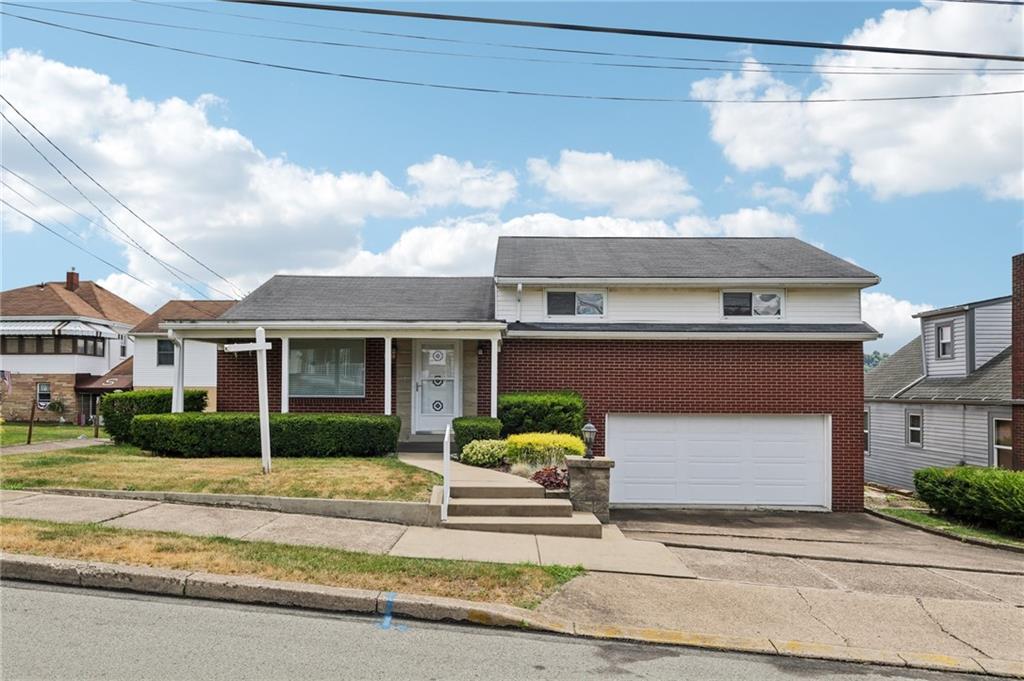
x=442 y=181
x=821 y=198
x=893 y=317
x=745 y=222
x=647 y=188
x=892 y=148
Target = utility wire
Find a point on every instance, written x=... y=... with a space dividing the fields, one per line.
x=562 y=50
x=35 y=205
x=647 y=33
x=502 y=91
x=464 y=55
x=93 y=203
x=115 y=198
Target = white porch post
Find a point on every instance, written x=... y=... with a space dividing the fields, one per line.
x=494 y=377
x=178 y=389
x=284 y=375
x=387 y=375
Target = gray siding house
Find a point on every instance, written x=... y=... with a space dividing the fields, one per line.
x=943 y=399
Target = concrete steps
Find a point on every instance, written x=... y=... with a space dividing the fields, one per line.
x=576 y=525
x=517 y=507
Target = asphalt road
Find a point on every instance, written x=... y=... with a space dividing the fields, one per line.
x=53 y=632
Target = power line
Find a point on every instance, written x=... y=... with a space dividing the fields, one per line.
x=647 y=33
x=562 y=50
x=405 y=50
x=119 y=201
x=35 y=205
x=1015 y=3
x=502 y=91
x=93 y=203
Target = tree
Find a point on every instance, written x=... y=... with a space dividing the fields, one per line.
x=871 y=360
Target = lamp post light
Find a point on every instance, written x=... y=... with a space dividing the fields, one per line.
x=589 y=434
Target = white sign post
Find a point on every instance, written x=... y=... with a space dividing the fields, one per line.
x=260 y=346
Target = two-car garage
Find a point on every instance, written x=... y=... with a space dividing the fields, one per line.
x=780 y=461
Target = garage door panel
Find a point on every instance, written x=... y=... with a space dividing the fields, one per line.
x=719 y=460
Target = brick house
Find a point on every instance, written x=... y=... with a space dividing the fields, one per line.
x=720 y=372
x=56 y=339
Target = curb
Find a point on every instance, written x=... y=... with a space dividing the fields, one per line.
x=415 y=513
x=254 y=590
x=942 y=533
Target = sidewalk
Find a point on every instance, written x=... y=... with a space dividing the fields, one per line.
x=52 y=445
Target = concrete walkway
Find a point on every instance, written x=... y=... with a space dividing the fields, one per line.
x=461 y=473
x=52 y=445
x=613 y=553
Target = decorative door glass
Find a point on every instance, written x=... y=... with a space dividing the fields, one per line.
x=437 y=385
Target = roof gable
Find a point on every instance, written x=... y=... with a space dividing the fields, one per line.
x=183 y=310
x=53 y=299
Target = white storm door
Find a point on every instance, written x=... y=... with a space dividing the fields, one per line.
x=436 y=386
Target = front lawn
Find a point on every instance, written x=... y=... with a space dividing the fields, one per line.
x=951 y=526
x=121 y=467
x=16 y=433
x=520 y=585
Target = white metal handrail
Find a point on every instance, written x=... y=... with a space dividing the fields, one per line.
x=447 y=471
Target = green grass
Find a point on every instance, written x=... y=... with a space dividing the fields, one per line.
x=523 y=585
x=122 y=467
x=951 y=526
x=16 y=433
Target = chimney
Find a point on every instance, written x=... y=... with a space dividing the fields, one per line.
x=71 y=282
x=1017 y=360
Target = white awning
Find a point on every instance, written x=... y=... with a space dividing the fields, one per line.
x=27 y=328
x=86 y=329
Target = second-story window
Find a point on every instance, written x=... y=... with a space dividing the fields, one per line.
x=164 y=353
x=944 y=341
x=573 y=303
x=751 y=304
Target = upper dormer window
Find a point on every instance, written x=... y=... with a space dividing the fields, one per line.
x=944 y=341
x=751 y=304
x=575 y=303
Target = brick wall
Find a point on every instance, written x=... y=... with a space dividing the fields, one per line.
x=1017 y=360
x=16 y=404
x=236 y=383
x=483 y=382
x=679 y=377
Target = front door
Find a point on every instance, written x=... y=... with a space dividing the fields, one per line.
x=436 y=385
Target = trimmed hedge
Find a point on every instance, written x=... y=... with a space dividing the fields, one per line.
x=118 y=409
x=541 y=412
x=543 y=448
x=484 y=453
x=238 y=434
x=992 y=497
x=469 y=428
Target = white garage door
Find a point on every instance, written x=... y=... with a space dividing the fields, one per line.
x=720 y=460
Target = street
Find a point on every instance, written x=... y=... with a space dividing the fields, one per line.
x=53 y=632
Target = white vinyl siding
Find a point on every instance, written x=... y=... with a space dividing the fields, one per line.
x=953 y=434
x=669 y=305
x=991 y=331
x=200 y=365
x=955 y=366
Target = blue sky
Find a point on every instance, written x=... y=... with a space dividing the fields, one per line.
x=916 y=195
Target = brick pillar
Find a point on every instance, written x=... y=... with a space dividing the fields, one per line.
x=1017 y=360
x=483 y=383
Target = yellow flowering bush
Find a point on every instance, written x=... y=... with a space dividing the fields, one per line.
x=543 y=448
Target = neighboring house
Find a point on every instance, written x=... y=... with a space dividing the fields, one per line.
x=55 y=339
x=946 y=397
x=155 y=358
x=724 y=372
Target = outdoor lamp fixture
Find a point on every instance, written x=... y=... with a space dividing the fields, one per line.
x=589 y=434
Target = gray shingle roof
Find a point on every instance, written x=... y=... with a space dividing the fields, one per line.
x=399 y=299
x=989 y=382
x=667 y=257
x=895 y=372
x=634 y=327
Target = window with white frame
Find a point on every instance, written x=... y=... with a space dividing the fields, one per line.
x=867 y=431
x=43 y=394
x=164 y=353
x=944 y=341
x=751 y=304
x=1002 y=443
x=915 y=428
x=327 y=367
x=575 y=303
x=124 y=346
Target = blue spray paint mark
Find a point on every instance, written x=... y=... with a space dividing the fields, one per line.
x=385 y=622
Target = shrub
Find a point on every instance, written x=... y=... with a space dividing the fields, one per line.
x=469 y=428
x=551 y=477
x=485 y=453
x=990 y=497
x=118 y=409
x=541 y=412
x=238 y=434
x=543 y=448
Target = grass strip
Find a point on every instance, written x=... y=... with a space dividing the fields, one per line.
x=522 y=585
x=953 y=527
